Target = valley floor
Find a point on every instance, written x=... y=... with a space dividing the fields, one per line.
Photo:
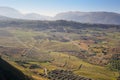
x=85 y=52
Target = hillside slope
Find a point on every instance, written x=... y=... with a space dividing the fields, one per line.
x=8 y=72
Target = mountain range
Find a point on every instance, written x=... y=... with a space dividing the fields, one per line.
x=83 y=17
x=13 y=13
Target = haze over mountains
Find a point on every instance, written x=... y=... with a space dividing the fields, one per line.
x=91 y=17
x=13 y=13
x=71 y=45
x=83 y=17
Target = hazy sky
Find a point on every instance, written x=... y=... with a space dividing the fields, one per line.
x=51 y=7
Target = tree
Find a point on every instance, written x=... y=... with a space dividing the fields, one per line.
x=115 y=63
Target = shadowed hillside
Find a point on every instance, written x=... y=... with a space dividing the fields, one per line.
x=8 y=72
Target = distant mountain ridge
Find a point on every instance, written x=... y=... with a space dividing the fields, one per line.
x=4 y=18
x=13 y=13
x=83 y=17
x=10 y=12
x=90 y=17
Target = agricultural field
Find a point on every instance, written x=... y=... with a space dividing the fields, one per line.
x=84 y=52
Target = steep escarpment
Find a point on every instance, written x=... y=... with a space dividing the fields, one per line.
x=8 y=72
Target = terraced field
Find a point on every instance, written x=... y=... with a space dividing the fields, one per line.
x=84 y=52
